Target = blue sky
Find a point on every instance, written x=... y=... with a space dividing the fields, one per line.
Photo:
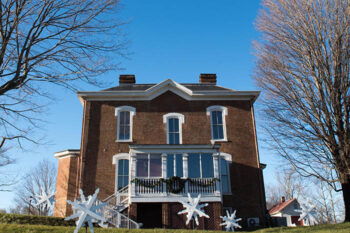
x=169 y=39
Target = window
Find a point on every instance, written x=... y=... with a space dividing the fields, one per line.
x=200 y=165
x=123 y=173
x=174 y=165
x=149 y=165
x=124 y=125
x=224 y=176
x=225 y=160
x=217 y=122
x=174 y=123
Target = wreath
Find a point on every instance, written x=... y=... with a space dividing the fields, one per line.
x=173 y=181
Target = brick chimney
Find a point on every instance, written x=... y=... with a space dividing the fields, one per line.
x=126 y=79
x=207 y=79
x=283 y=199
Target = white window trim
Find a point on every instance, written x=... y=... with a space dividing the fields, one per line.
x=228 y=159
x=181 y=118
x=132 y=111
x=115 y=161
x=224 y=113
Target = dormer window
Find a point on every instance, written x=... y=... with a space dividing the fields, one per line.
x=174 y=123
x=217 y=122
x=124 y=116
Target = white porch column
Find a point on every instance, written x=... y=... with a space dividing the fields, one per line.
x=133 y=174
x=164 y=171
x=185 y=165
x=185 y=169
x=216 y=157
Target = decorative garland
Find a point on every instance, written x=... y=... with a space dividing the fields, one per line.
x=201 y=184
x=147 y=184
x=172 y=181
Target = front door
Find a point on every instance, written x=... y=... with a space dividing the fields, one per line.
x=123 y=173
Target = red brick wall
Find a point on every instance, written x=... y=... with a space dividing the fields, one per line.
x=65 y=185
x=99 y=143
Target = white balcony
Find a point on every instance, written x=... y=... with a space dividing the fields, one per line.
x=152 y=169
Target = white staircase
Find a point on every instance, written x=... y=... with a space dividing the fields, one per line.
x=117 y=203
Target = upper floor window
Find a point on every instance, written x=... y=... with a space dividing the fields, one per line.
x=174 y=123
x=200 y=165
x=149 y=165
x=174 y=165
x=217 y=122
x=124 y=123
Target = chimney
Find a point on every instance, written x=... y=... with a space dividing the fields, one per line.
x=283 y=199
x=126 y=79
x=207 y=79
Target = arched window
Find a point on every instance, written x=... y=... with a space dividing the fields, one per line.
x=217 y=122
x=174 y=123
x=225 y=161
x=122 y=170
x=124 y=123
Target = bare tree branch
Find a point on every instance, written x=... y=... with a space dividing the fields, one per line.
x=303 y=68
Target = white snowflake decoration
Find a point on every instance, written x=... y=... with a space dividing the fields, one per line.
x=86 y=211
x=44 y=198
x=193 y=209
x=308 y=214
x=230 y=221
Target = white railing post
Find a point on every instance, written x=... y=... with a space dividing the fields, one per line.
x=133 y=175
x=185 y=169
x=164 y=171
x=216 y=157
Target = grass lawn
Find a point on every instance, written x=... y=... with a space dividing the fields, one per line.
x=18 y=228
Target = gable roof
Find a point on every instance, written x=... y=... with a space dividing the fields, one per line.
x=191 y=86
x=188 y=91
x=277 y=208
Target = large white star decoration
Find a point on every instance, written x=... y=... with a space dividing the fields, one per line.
x=308 y=214
x=230 y=221
x=193 y=209
x=45 y=198
x=85 y=211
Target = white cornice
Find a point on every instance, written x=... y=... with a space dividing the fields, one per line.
x=67 y=153
x=167 y=85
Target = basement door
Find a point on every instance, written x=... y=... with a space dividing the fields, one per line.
x=150 y=215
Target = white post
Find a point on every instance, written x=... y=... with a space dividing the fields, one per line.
x=216 y=157
x=164 y=171
x=133 y=174
x=185 y=169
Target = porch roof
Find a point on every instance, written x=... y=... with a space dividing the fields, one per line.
x=179 y=148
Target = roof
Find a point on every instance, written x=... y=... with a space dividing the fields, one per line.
x=188 y=91
x=277 y=208
x=191 y=86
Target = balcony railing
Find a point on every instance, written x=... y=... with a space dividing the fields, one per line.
x=154 y=186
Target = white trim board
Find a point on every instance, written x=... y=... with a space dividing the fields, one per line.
x=174 y=198
x=67 y=154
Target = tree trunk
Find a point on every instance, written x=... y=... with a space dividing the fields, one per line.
x=346 y=195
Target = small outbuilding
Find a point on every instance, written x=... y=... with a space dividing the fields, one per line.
x=286 y=213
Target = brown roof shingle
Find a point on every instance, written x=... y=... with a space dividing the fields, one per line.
x=277 y=208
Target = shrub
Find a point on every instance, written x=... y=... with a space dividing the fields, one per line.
x=34 y=220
